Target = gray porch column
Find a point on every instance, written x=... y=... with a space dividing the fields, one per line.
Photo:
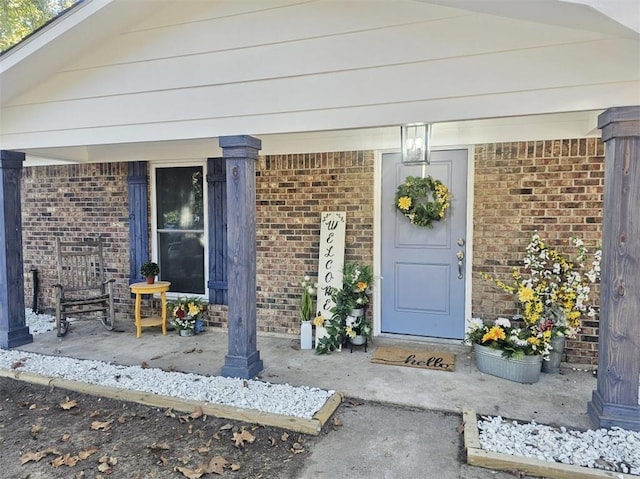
x=13 y=329
x=240 y=153
x=615 y=402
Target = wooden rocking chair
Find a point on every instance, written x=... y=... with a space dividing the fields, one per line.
x=82 y=287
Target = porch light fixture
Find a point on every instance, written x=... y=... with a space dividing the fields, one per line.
x=416 y=143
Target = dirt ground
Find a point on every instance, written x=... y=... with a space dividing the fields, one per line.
x=54 y=433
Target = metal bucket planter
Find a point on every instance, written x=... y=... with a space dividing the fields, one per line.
x=525 y=370
x=552 y=366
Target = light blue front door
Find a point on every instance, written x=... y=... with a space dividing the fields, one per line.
x=422 y=286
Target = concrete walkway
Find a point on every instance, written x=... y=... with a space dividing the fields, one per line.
x=376 y=440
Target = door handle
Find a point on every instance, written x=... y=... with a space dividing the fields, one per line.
x=460 y=256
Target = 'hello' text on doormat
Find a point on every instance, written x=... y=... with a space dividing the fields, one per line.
x=414 y=358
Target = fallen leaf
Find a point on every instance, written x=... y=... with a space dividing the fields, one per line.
x=33 y=406
x=57 y=462
x=216 y=465
x=155 y=357
x=144 y=365
x=235 y=467
x=164 y=461
x=169 y=413
x=122 y=419
x=284 y=436
x=101 y=425
x=65 y=437
x=241 y=437
x=87 y=452
x=69 y=404
x=70 y=460
x=337 y=422
x=226 y=427
x=245 y=383
x=112 y=461
x=94 y=413
x=203 y=450
x=35 y=429
x=189 y=473
x=272 y=441
x=104 y=467
x=17 y=364
x=159 y=446
x=196 y=413
x=189 y=351
x=460 y=428
x=216 y=436
x=34 y=456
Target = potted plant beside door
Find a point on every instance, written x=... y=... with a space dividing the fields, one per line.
x=149 y=270
x=349 y=321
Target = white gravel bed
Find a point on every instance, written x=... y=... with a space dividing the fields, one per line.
x=296 y=401
x=612 y=449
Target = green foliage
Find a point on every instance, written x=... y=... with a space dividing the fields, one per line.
x=356 y=283
x=19 y=18
x=423 y=200
x=306 y=299
x=149 y=269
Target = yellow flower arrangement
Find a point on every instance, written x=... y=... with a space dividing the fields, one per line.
x=186 y=311
x=552 y=293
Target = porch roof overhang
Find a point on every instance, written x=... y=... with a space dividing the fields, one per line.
x=148 y=80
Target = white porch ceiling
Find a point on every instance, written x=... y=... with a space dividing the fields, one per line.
x=116 y=80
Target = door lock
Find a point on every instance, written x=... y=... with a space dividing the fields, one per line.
x=460 y=256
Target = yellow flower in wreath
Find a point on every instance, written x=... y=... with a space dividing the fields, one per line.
x=423 y=200
x=404 y=203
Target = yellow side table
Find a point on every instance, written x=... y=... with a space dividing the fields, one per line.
x=145 y=288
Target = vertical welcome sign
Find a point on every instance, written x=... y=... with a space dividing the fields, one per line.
x=330 y=262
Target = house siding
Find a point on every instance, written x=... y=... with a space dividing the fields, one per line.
x=554 y=187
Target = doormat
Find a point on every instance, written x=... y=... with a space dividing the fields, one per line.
x=414 y=358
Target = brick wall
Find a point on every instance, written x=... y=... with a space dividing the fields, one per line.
x=74 y=202
x=77 y=201
x=553 y=187
x=292 y=192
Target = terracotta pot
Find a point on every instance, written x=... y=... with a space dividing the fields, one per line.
x=151 y=279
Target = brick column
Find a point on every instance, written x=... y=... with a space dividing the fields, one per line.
x=615 y=402
x=240 y=153
x=13 y=329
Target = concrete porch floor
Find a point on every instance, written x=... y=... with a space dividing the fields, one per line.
x=559 y=399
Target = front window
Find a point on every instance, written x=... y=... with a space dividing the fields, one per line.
x=180 y=226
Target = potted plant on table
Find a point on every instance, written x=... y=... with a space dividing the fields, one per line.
x=306 y=313
x=349 y=320
x=187 y=314
x=149 y=270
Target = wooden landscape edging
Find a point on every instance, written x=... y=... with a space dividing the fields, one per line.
x=311 y=426
x=476 y=456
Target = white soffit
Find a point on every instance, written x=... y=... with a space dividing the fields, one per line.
x=540 y=127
